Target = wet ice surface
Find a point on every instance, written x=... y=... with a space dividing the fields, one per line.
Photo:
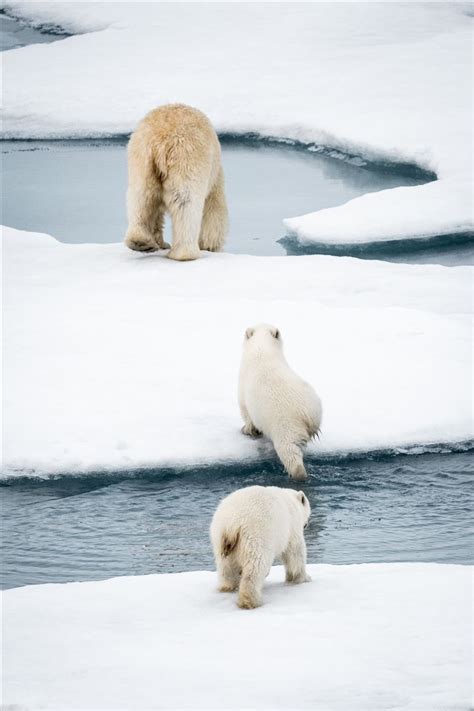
x=15 y=34
x=371 y=509
x=75 y=190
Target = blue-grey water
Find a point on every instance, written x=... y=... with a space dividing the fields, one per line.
x=14 y=34
x=75 y=190
x=367 y=509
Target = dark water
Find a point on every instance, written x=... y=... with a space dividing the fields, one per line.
x=75 y=190
x=450 y=250
x=392 y=508
x=14 y=33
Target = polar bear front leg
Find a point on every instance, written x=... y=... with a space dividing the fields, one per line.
x=294 y=560
x=249 y=428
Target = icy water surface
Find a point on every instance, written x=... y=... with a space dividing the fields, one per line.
x=14 y=33
x=372 y=509
x=75 y=190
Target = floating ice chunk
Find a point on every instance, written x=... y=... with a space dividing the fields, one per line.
x=437 y=208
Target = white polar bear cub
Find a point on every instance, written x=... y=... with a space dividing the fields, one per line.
x=274 y=400
x=174 y=166
x=250 y=528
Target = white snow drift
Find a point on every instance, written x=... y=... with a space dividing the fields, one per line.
x=358 y=637
x=114 y=359
x=385 y=81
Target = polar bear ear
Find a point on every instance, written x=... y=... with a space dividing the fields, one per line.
x=302 y=497
x=275 y=333
x=249 y=333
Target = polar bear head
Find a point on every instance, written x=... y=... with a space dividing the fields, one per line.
x=264 y=334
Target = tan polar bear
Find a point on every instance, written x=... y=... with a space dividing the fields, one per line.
x=174 y=166
x=274 y=400
x=250 y=528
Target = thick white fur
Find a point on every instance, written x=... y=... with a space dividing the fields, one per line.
x=250 y=528
x=174 y=166
x=274 y=400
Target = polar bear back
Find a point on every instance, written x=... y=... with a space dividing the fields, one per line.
x=275 y=396
x=264 y=516
x=182 y=142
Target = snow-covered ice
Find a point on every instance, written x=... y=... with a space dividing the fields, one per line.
x=360 y=637
x=114 y=359
x=407 y=213
x=385 y=81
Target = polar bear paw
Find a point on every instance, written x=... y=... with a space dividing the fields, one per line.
x=250 y=430
x=298 y=578
x=228 y=587
x=140 y=241
x=184 y=254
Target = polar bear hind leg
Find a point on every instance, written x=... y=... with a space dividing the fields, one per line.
x=215 y=219
x=228 y=572
x=255 y=570
x=144 y=201
x=291 y=456
x=185 y=204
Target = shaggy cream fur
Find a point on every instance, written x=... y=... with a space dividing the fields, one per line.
x=250 y=528
x=274 y=400
x=174 y=166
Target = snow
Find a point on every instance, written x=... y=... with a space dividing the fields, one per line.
x=116 y=360
x=358 y=637
x=407 y=212
x=382 y=81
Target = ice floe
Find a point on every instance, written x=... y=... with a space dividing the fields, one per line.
x=358 y=637
x=117 y=360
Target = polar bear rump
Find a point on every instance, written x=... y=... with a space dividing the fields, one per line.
x=174 y=167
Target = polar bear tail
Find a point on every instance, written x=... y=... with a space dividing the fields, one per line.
x=229 y=543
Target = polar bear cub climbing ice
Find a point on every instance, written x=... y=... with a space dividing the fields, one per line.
x=274 y=400
x=250 y=528
x=174 y=166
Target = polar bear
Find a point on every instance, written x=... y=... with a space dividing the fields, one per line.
x=250 y=528
x=174 y=166
x=274 y=400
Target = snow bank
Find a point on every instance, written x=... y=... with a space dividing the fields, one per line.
x=360 y=637
x=386 y=81
x=406 y=213
x=114 y=359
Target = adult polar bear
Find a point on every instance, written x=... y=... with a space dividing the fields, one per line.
x=250 y=528
x=174 y=166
